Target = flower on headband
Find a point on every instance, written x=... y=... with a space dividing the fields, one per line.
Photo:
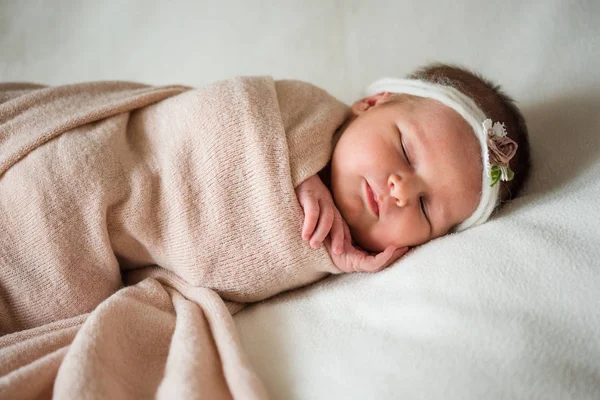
x=501 y=150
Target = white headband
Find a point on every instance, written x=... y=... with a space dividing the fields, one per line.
x=467 y=109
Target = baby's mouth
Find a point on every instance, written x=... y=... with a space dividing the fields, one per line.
x=371 y=199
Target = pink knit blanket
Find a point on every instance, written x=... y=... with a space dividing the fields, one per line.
x=134 y=220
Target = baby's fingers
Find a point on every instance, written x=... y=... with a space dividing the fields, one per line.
x=337 y=233
x=387 y=257
x=396 y=255
x=311 y=217
x=323 y=227
x=383 y=260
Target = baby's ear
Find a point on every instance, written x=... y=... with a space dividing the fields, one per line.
x=367 y=103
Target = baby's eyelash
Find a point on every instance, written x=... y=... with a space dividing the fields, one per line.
x=423 y=207
x=405 y=155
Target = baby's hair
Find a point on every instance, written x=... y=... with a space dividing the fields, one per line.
x=496 y=105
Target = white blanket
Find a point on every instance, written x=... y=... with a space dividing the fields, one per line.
x=508 y=310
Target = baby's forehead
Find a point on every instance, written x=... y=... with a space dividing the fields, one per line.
x=441 y=128
x=451 y=153
x=444 y=128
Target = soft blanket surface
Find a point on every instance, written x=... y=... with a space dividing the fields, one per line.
x=188 y=195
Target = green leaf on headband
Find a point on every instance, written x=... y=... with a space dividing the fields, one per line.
x=495 y=175
x=509 y=174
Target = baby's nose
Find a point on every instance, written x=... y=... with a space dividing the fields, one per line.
x=402 y=188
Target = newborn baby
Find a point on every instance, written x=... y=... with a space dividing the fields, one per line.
x=108 y=184
x=419 y=158
x=138 y=218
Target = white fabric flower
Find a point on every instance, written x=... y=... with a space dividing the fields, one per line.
x=499 y=129
x=495 y=129
x=487 y=125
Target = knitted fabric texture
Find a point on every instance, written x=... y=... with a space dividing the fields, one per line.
x=135 y=219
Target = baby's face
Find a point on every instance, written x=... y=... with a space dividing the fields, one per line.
x=389 y=198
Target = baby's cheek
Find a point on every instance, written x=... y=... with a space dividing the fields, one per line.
x=399 y=230
x=399 y=233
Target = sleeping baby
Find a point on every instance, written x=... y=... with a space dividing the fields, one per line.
x=419 y=158
x=134 y=220
x=106 y=184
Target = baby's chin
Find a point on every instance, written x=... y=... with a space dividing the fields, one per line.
x=365 y=241
x=362 y=236
x=375 y=244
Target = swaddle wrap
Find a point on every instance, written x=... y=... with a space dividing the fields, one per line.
x=187 y=195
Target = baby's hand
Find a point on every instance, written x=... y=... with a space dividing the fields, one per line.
x=354 y=259
x=321 y=216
